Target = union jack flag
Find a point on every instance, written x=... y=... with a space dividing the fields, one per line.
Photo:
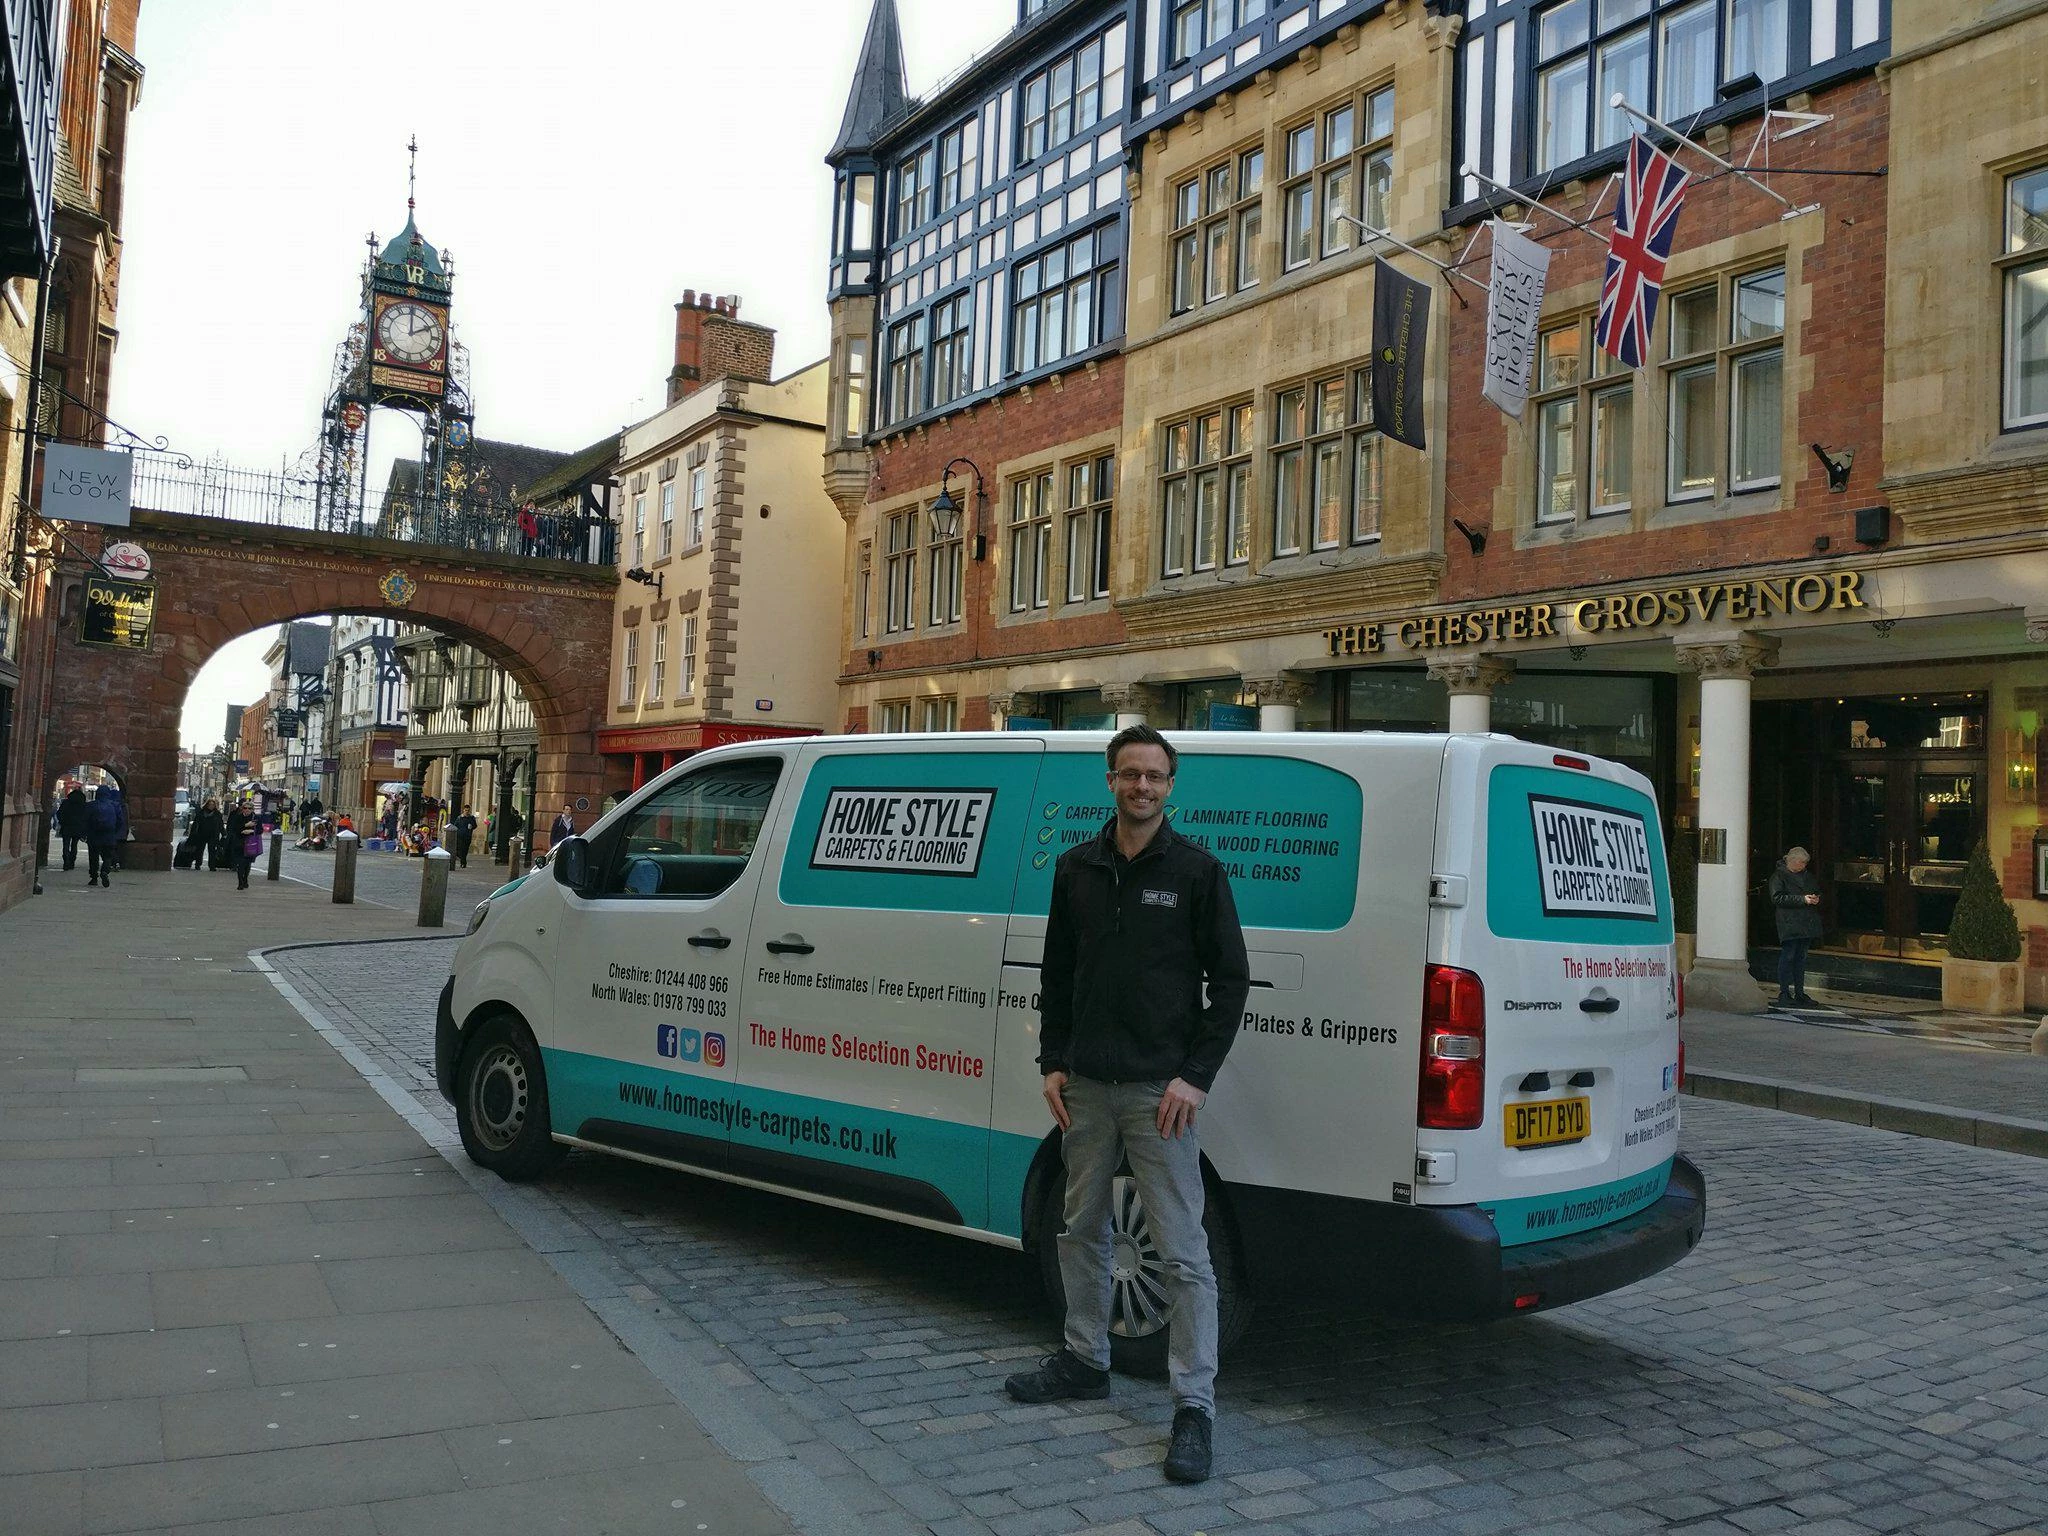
x=1651 y=194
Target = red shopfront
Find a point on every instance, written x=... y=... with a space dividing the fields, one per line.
x=645 y=752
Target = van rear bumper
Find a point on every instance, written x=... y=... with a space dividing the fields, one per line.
x=1446 y=1262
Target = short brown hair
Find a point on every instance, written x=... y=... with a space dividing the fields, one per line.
x=1143 y=736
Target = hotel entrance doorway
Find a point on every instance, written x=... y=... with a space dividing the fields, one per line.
x=1888 y=793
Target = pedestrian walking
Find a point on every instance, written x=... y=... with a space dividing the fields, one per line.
x=244 y=839
x=1140 y=920
x=462 y=832
x=564 y=827
x=71 y=814
x=1795 y=903
x=106 y=828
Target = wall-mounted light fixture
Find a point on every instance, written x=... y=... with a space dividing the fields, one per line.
x=1473 y=536
x=646 y=579
x=946 y=508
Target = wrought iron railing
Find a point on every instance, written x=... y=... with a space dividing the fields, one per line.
x=172 y=482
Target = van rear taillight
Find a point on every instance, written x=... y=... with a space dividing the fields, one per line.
x=1681 y=995
x=1680 y=1084
x=1453 y=1090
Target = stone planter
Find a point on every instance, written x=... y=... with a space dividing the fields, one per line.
x=1994 y=987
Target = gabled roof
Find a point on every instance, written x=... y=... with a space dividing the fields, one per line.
x=881 y=90
x=576 y=471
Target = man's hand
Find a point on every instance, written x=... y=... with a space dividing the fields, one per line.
x=1056 y=1099
x=1177 y=1108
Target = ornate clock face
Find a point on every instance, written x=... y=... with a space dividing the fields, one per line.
x=410 y=333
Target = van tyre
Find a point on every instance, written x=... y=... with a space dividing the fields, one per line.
x=501 y=1102
x=1139 y=1313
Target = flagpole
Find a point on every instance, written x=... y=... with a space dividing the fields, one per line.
x=1400 y=244
x=1476 y=174
x=1620 y=104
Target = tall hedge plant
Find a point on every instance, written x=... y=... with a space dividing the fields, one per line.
x=1984 y=927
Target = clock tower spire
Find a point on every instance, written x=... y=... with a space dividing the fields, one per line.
x=400 y=355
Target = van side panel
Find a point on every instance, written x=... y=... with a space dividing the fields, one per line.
x=1332 y=892
x=870 y=1033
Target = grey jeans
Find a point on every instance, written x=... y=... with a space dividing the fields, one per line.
x=1112 y=1121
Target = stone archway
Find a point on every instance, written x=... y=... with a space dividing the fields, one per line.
x=547 y=622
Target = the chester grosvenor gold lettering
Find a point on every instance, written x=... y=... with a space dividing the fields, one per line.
x=1651 y=608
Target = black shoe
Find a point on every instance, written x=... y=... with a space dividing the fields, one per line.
x=1784 y=1000
x=1058 y=1376
x=1187 y=1453
x=1804 y=1001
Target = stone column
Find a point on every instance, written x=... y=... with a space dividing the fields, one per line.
x=1720 y=977
x=1471 y=679
x=1130 y=701
x=1279 y=696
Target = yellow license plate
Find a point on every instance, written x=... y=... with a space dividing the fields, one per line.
x=1550 y=1123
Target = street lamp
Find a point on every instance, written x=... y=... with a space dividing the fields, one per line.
x=946 y=509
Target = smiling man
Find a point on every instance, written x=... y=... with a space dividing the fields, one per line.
x=1140 y=920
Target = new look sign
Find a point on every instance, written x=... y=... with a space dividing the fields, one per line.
x=88 y=485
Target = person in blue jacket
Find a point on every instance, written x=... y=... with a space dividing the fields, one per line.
x=106 y=828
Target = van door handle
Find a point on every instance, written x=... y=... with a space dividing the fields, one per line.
x=711 y=938
x=1599 y=1004
x=793 y=945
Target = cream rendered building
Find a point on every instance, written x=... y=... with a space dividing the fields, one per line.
x=727 y=624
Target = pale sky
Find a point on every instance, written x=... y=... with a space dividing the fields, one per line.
x=583 y=165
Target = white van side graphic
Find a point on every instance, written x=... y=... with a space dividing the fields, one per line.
x=813 y=967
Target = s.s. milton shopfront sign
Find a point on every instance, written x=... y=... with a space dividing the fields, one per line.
x=1723 y=602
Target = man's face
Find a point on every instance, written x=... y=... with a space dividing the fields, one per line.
x=1795 y=865
x=1141 y=782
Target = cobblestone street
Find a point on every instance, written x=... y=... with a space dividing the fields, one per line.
x=1856 y=1346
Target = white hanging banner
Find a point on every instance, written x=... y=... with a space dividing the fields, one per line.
x=1514 y=306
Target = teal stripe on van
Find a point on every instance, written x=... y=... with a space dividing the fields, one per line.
x=1576 y=1210
x=1514 y=881
x=957 y=1160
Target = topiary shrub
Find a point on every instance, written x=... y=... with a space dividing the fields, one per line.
x=1685 y=880
x=1984 y=927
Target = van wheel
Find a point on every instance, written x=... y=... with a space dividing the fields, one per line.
x=1140 y=1299
x=501 y=1102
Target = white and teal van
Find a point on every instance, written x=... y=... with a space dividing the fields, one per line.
x=811 y=967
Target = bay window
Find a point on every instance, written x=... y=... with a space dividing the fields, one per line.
x=1730 y=374
x=1091 y=488
x=1031 y=542
x=1217 y=223
x=1339 y=167
x=2026 y=299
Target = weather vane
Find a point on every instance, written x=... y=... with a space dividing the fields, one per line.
x=412 y=150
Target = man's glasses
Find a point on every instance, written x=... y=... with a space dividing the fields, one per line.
x=1143 y=776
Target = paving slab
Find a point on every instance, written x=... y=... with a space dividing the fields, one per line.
x=240 y=1295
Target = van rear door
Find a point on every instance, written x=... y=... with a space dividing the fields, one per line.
x=1566 y=923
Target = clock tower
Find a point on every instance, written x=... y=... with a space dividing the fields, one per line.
x=401 y=355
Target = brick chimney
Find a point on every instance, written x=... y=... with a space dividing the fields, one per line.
x=713 y=343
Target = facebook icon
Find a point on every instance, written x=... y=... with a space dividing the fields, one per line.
x=665 y=1039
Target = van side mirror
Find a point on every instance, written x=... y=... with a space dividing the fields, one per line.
x=570 y=861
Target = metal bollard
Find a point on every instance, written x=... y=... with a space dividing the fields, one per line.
x=276 y=854
x=434 y=887
x=517 y=866
x=345 y=867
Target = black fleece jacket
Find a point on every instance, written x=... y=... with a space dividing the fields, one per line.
x=1128 y=944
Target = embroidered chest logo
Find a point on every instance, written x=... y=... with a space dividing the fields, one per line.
x=1159 y=898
